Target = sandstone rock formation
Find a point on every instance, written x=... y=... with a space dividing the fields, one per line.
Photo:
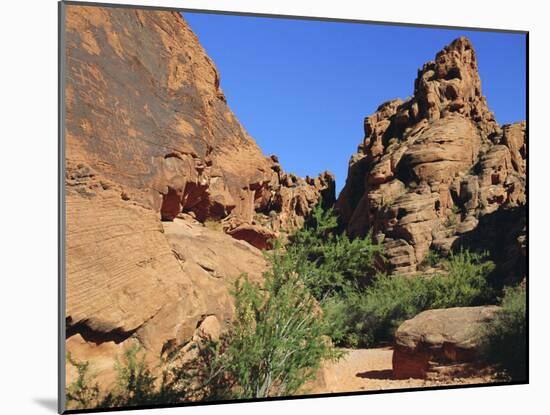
x=153 y=154
x=442 y=342
x=431 y=168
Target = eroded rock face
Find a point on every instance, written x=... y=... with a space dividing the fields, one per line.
x=145 y=109
x=133 y=280
x=153 y=153
x=439 y=342
x=431 y=167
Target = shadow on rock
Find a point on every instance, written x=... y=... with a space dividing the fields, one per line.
x=503 y=234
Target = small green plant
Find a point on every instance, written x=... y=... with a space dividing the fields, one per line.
x=82 y=393
x=376 y=312
x=432 y=259
x=505 y=337
x=454 y=216
x=200 y=378
x=135 y=382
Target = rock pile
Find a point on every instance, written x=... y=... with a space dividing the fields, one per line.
x=432 y=168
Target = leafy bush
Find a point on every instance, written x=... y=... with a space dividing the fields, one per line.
x=432 y=259
x=135 y=382
x=275 y=343
x=505 y=337
x=200 y=377
x=344 y=320
x=371 y=316
x=466 y=282
x=334 y=268
x=330 y=263
x=83 y=393
x=213 y=224
x=362 y=306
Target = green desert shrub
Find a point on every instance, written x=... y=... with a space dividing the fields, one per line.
x=505 y=337
x=361 y=305
x=213 y=224
x=201 y=377
x=135 y=382
x=334 y=268
x=83 y=392
x=466 y=282
x=432 y=259
x=274 y=345
x=331 y=263
x=344 y=320
x=371 y=316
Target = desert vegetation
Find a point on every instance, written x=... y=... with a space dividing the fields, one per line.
x=242 y=280
x=323 y=291
x=505 y=338
x=362 y=305
x=274 y=345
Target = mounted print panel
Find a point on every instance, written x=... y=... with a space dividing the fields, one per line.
x=259 y=207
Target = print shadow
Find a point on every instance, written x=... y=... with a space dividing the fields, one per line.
x=48 y=403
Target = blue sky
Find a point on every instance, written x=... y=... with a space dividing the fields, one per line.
x=302 y=88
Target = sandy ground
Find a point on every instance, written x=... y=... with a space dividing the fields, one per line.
x=371 y=369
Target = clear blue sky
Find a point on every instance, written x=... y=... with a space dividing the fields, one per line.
x=302 y=88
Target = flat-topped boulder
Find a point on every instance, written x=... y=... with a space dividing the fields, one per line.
x=438 y=339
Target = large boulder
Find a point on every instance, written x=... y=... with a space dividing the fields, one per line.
x=179 y=278
x=436 y=341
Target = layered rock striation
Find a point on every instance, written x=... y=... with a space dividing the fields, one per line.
x=432 y=168
x=153 y=154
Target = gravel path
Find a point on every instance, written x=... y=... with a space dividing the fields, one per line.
x=371 y=369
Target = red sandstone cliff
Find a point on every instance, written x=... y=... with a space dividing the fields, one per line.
x=150 y=137
x=437 y=171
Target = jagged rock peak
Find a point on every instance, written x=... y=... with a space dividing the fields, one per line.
x=446 y=86
x=451 y=84
x=429 y=168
